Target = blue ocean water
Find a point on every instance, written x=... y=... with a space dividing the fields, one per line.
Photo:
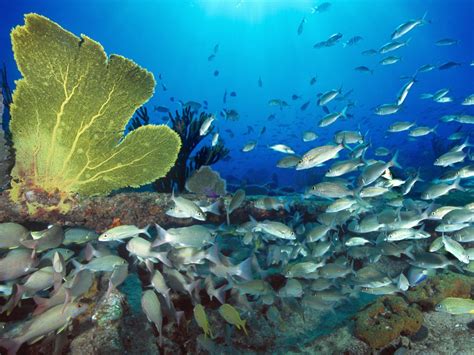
x=259 y=39
x=241 y=55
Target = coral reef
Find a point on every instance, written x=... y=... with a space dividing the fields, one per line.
x=187 y=125
x=438 y=287
x=99 y=212
x=384 y=320
x=68 y=115
x=206 y=181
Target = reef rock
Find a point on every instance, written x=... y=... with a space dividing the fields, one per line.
x=385 y=320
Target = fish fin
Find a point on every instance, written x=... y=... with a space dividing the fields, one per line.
x=227 y=214
x=344 y=112
x=220 y=293
x=41 y=305
x=191 y=286
x=17 y=293
x=179 y=317
x=67 y=299
x=110 y=288
x=212 y=254
x=244 y=322
x=457 y=186
x=244 y=269
x=11 y=345
x=145 y=230
x=60 y=330
x=161 y=237
x=423 y=20
x=409 y=253
x=150 y=266
x=89 y=252
x=57 y=281
x=162 y=256
x=213 y=208
x=30 y=243
x=166 y=296
x=77 y=266
x=393 y=161
x=253 y=220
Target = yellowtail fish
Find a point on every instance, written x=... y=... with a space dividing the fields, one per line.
x=454 y=305
x=231 y=316
x=201 y=319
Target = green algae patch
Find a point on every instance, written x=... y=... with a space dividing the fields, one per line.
x=385 y=320
x=436 y=288
x=69 y=115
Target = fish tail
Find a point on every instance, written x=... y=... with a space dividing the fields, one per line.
x=344 y=111
x=161 y=238
x=77 y=266
x=191 y=286
x=162 y=256
x=244 y=269
x=145 y=230
x=212 y=254
x=214 y=208
x=220 y=293
x=394 y=162
x=244 y=322
x=227 y=216
x=89 y=252
x=11 y=345
x=17 y=294
x=457 y=186
x=423 y=20
x=41 y=305
x=409 y=253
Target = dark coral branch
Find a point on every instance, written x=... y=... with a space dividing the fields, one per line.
x=6 y=91
x=141 y=119
x=187 y=124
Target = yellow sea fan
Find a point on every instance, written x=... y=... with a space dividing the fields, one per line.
x=70 y=111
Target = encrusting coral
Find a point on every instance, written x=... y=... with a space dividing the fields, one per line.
x=387 y=318
x=68 y=118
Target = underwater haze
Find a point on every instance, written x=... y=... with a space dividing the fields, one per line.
x=239 y=177
x=259 y=39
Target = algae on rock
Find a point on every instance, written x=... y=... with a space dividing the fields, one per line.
x=69 y=115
